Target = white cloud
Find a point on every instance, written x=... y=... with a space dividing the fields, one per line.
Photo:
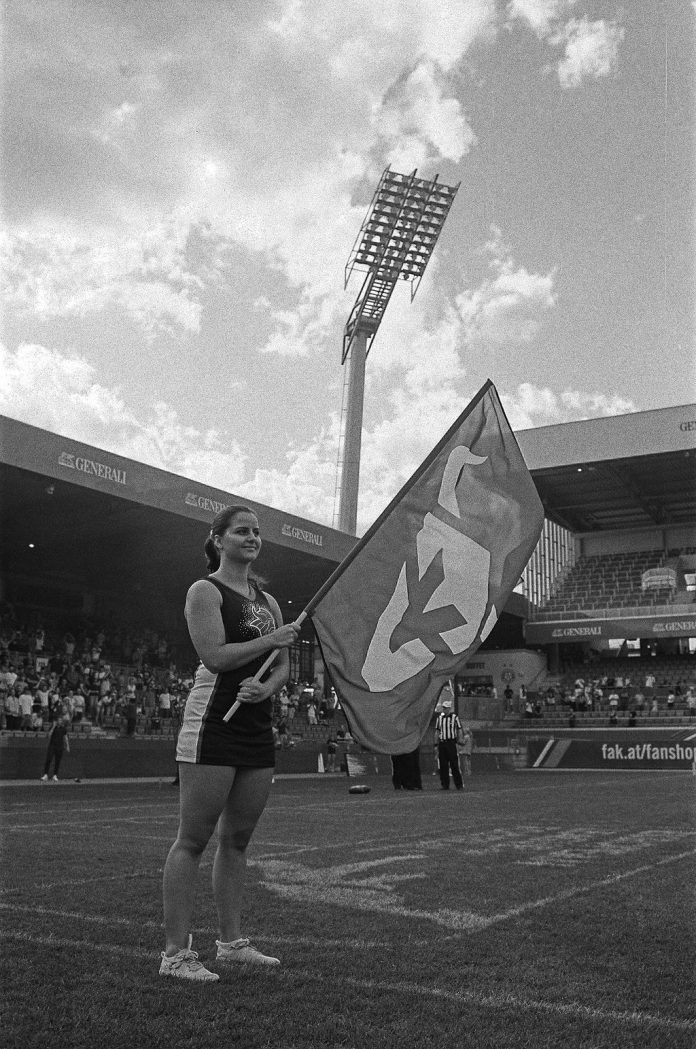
x=418 y=123
x=539 y=406
x=540 y=15
x=591 y=50
x=61 y=393
x=507 y=308
x=393 y=447
x=56 y=272
x=323 y=98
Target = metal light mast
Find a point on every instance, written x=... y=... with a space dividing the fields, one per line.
x=396 y=241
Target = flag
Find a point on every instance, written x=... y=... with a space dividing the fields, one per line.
x=425 y=585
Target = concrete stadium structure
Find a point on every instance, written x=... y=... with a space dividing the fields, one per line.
x=88 y=532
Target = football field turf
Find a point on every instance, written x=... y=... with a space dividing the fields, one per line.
x=532 y=909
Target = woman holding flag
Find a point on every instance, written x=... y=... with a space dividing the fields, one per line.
x=225 y=765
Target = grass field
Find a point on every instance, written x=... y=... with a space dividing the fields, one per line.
x=534 y=909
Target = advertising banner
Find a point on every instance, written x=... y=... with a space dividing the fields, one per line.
x=670 y=750
x=599 y=629
x=63 y=459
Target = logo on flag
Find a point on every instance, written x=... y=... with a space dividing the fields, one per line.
x=426 y=584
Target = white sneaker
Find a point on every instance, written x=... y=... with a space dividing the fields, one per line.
x=185 y=966
x=44 y=778
x=54 y=779
x=242 y=951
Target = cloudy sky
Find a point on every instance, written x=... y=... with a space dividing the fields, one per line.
x=183 y=183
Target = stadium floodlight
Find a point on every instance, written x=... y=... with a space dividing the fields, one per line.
x=395 y=242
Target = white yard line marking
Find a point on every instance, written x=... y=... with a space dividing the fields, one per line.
x=498 y=1002
x=83 y=825
x=577 y=890
x=44 y=886
x=304 y=941
x=517 y=1003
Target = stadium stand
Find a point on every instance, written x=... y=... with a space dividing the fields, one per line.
x=616 y=581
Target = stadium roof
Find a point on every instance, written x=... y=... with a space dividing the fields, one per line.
x=97 y=520
x=624 y=472
x=105 y=521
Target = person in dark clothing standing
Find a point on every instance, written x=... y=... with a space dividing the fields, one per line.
x=406 y=773
x=448 y=732
x=58 y=743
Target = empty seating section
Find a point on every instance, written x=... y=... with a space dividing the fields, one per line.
x=614 y=582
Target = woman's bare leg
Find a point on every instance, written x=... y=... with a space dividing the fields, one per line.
x=245 y=803
x=205 y=790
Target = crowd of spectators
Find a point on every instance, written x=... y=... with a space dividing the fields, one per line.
x=620 y=694
x=116 y=678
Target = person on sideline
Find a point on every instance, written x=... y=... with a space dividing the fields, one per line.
x=448 y=732
x=465 y=749
x=225 y=768
x=58 y=743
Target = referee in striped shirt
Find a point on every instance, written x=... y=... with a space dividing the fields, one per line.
x=448 y=732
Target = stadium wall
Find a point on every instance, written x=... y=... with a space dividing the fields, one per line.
x=677 y=537
x=504 y=667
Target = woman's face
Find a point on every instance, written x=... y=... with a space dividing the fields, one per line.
x=241 y=540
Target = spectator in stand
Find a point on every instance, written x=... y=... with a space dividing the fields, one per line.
x=613 y=717
x=13 y=712
x=37 y=717
x=283 y=703
x=26 y=704
x=69 y=647
x=78 y=707
x=671 y=699
x=331 y=751
x=92 y=698
x=508 y=695
x=8 y=678
x=283 y=732
x=311 y=713
x=43 y=696
x=639 y=701
x=165 y=703
x=149 y=704
x=691 y=701
x=654 y=708
x=58 y=743
x=131 y=713
x=55 y=705
x=613 y=702
x=649 y=683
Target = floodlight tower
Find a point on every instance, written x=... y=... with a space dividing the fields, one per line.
x=396 y=241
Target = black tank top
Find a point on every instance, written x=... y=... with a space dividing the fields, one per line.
x=244 y=619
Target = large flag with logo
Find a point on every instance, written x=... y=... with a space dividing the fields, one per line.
x=425 y=585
